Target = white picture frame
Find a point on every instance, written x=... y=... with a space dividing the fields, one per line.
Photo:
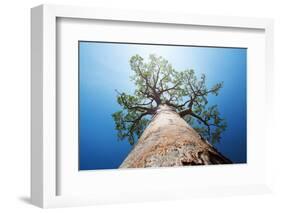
x=44 y=154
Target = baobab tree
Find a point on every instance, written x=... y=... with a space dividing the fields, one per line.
x=168 y=119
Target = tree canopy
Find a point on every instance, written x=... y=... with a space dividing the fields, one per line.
x=157 y=82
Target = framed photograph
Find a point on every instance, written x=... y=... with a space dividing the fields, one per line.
x=130 y=106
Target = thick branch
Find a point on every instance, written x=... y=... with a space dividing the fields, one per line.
x=145 y=104
x=145 y=78
x=136 y=121
x=182 y=105
x=177 y=106
x=157 y=77
x=138 y=107
x=199 y=118
x=171 y=88
x=185 y=112
x=155 y=95
x=161 y=81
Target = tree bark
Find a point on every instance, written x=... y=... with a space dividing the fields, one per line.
x=169 y=141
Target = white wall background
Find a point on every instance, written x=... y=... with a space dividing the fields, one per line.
x=15 y=105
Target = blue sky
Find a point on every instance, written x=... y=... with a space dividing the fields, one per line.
x=104 y=67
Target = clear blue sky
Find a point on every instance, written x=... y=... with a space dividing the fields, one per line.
x=104 y=67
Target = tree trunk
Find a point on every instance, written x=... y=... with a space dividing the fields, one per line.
x=169 y=141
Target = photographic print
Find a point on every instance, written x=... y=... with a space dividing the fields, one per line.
x=161 y=105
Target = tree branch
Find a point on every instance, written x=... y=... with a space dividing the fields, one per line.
x=185 y=112
x=182 y=105
x=199 y=118
x=161 y=82
x=135 y=122
x=145 y=78
x=157 y=77
x=155 y=95
x=171 y=88
x=203 y=121
x=138 y=107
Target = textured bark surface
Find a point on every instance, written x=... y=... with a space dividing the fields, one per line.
x=170 y=141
